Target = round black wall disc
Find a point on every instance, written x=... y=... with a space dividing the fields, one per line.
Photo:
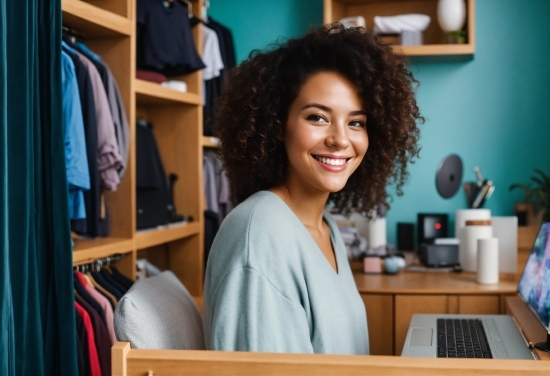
x=449 y=176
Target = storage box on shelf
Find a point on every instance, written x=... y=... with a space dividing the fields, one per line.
x=434 y=44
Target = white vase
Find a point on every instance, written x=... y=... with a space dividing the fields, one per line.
x=451 y=14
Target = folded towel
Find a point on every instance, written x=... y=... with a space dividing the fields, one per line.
x=396 y=24
x=175 y=85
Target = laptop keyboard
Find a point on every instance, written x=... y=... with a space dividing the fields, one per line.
x=461 y=338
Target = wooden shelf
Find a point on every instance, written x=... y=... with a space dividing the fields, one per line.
x=148 y=93
x=92 y=21
x=436 y=49
x=334 y=10
x=210 y=142
x=150 y=238
x=89 y=249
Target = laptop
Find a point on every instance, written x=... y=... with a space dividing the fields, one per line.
x=487 y=336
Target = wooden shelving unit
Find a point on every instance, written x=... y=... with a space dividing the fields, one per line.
x=108 y=28
x=434 y=45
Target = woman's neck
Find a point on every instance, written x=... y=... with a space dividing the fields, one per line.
x=307 y=206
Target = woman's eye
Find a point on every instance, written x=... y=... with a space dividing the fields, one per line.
x=357 y=124
x=317 y=118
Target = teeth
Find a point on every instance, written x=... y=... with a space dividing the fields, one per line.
x=332 y=162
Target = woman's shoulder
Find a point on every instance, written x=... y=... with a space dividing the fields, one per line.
x=261 y=208
x=258 y=229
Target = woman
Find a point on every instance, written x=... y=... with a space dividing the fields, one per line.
x=329 y=116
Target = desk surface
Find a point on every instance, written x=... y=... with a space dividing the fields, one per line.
x=408 y=282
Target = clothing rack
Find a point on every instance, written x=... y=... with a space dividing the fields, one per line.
x=98 y=263
x=74 y=34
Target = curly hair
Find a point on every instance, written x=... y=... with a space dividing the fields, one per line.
x=252 y=112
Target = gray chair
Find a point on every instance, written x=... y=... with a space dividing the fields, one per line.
x=159 y=313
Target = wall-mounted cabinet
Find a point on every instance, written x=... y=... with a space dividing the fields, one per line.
x=434 y=38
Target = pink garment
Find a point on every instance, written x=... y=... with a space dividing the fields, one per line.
x=109 y=160
x=105 y=305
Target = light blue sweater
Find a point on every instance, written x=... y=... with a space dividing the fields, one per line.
x=269 y=287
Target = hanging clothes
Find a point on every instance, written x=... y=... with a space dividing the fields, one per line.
x=216 y=185
x=93 y=357
x=107 y=135
x=76 y=161
x=95 y=334
x=116 y=105
x=91 y=225
x=213 y=84
x=108 y=155
x=217 y=197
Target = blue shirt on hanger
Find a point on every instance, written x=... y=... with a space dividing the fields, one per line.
x=76 y=161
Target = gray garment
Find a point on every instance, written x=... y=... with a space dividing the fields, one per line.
x=216 y=185
x=120 y=120
x=108 y=156
x=209 y=183
x=269 y=287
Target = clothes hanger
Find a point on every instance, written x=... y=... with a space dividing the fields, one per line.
x=71 y=33
x=189 y=7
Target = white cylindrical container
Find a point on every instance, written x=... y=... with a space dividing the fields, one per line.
x=467 y=252
x=487 y=261
x=451 y=14
x=463 y=215
x=376 y=233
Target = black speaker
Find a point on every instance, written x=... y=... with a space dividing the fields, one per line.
x=430 y=227
x=405 y=236
x=438 y=254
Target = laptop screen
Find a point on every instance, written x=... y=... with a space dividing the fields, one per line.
x=534 y=284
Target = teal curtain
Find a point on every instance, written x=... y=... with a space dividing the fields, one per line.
x=38 y=334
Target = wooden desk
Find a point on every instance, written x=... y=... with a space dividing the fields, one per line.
x=391 y=300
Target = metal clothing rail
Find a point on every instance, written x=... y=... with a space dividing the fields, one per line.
x=96 y=264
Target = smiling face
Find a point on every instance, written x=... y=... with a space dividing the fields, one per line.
x=325 y=135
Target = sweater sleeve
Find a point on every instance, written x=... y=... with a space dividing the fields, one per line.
x=251 y=314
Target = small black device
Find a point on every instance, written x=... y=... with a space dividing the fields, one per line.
x=405 y=236
x=430 y=227
x=438 y=255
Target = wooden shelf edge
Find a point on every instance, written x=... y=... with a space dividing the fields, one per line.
x=150 y=92
x=436 y=49
x=90 y=249
x=210 y=142
x=150 y=238
x=94 y=21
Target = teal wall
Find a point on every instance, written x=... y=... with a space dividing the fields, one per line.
x=257 y=23
x=492 y=110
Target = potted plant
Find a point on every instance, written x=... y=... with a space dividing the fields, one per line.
x=536 y=204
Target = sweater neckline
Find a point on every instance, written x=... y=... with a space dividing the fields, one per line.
x=338 y=271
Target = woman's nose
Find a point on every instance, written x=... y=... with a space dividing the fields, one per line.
x=337 y=137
